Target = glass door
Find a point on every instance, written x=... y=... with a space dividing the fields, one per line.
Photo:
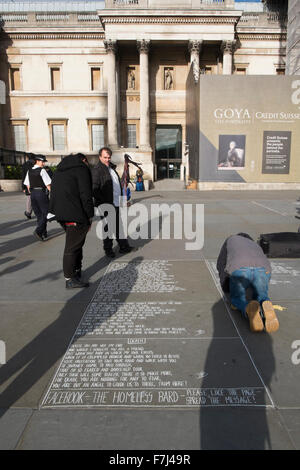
x=168 y=151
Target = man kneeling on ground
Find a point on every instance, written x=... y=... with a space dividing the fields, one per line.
x=242 y=264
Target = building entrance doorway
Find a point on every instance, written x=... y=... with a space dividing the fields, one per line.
x=168 y=151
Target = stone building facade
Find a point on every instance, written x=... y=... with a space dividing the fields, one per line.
x=116 y=76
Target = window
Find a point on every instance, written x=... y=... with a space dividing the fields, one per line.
x=208 y=70
x=19 y=134
x=55 y=78
x=15 y=78
x=95 y=78
x=20 y=137
x=131 y=135
x=280 y=71
x=240 y=71
x=58 y=134
x=97 y=136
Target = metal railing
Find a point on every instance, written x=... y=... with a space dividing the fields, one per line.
x=12 y=157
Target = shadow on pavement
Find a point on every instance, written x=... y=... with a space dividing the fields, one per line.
x=15 y=267
x=235 y=427
x=19 y=243
x=16 y=226
x=48 y=347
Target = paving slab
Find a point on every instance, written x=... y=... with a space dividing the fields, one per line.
x=143 y=367
x=272 y=354
x=153 y=321
x=12 y=425
x=210 y=429
x=44 y=331
x=291 y=419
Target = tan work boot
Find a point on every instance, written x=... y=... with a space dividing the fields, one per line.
x=271 y=320
x=253 y=312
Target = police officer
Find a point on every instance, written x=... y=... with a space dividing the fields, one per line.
x=38 y=182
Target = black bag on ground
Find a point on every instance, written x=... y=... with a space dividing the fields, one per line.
x=280 y=245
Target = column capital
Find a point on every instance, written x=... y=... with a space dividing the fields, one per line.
x=110 y=46
x=228 y=47
x=143 y=46
x=195 y=46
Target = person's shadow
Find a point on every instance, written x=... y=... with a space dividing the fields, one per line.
x=42 y=353
x=236 y=427
x=49 y=346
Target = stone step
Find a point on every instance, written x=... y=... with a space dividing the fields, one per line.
x=168 y=185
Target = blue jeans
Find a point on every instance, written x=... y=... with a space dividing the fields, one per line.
x=256 y=278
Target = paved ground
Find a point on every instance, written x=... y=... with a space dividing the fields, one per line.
x=150 y=356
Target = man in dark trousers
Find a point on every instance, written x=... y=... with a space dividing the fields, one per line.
x=71 y=202
x=25 y=167
x=242 y=264
x=107 y=190
x=38 y=182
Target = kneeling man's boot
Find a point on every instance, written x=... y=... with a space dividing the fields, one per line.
x=253 y=312
x=271 y=320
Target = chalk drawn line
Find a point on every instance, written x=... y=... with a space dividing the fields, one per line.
x=235 y=325
x=52 y=389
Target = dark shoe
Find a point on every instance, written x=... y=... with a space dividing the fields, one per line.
x=78 y=274
x=45 y=236
x=27 y=215
x=75 y=283
x=39 y=237
x=125 y=249
x=110 y=254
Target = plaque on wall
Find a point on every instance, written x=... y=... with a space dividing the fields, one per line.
x=276 y=152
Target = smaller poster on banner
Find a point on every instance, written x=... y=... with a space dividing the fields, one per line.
x=231 y=152
x=276 y=152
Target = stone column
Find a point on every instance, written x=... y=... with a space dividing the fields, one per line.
x=143 y=47
x=227 y=48
x=195 y=49
x=112 y=121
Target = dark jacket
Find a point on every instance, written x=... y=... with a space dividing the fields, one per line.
x=102 y=184
x=239 y=252
x=71 y=191
x=26 y=167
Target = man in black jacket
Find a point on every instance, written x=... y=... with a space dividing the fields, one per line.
x=72 y=203
x=107 y=190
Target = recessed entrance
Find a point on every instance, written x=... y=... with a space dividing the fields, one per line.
x=168 y=153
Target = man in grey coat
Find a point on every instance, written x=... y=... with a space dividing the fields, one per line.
x=242 y=264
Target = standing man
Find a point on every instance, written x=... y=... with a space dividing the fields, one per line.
x=107 y=190
x=38 y=182
x=242 y=264
x=71 y=201
x=25 y=167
